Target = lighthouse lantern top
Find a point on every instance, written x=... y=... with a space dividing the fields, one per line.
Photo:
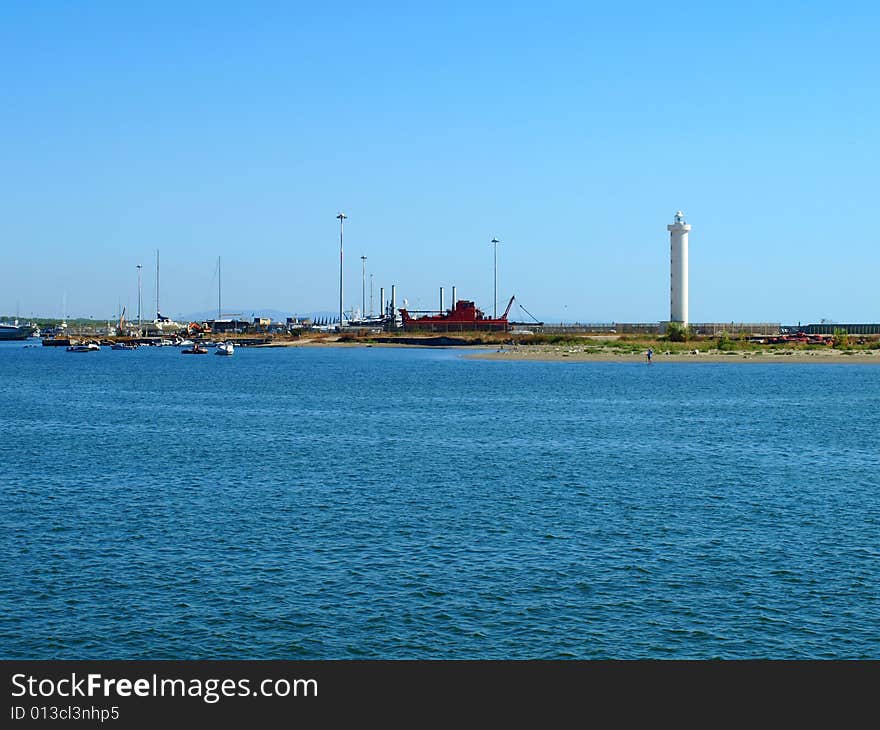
x=679 y=217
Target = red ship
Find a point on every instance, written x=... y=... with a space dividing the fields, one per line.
x=463 y=317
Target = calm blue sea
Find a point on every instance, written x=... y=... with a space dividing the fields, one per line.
x=393 y=503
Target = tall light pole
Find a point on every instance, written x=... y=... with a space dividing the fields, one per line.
x=495 y=243
x=341 y=218
x=363 y=286
x=140 y=296
x=371 y=293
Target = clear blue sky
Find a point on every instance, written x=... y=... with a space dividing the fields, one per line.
x=572 y=131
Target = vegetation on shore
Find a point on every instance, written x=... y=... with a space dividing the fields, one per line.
x=680 y=342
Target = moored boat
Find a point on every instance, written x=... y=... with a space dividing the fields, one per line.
x=464 y=316
x=87 y=347
x=16 y=331
x=195 y=350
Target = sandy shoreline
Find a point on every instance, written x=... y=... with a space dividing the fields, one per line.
x=563 y=354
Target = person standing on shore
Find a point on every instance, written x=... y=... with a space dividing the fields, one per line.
x=649 y=355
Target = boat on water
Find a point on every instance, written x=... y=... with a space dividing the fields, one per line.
x=222 y=348
x=463 y=317
x=195 y=350
x=87 y=347
x=125 y=346
x=16 y=331
x=162 y=324
x=371 y=322
x=184 y=343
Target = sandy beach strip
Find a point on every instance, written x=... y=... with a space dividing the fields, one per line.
x=564 y=354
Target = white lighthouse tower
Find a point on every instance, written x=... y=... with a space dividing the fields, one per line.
x=678 y=279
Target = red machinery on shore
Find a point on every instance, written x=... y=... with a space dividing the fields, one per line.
x=802 y=337
x=463 y=317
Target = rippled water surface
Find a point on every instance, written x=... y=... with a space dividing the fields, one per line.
x=361 y=503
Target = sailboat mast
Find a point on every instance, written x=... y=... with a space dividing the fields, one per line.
x=158 y=308
x=219 y=290
x=140 y=298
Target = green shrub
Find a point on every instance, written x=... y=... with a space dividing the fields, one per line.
x=678 y=332
x=724 y=342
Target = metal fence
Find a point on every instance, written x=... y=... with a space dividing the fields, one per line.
x=827 y=328
x=656 y=328
x=736 y=328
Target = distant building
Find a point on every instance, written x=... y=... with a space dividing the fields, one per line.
x=228 y=326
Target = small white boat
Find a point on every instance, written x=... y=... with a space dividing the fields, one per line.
x=125 y=346
x=184 y=343
x=225 y=348
x=88 y=347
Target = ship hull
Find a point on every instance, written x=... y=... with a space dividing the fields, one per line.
x=21 y=332
x=463 y=317
x=429 y=325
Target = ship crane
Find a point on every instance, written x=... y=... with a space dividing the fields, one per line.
x=530 y=314
x=509 y=305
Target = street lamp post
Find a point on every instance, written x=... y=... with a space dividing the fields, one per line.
x=341 y=218
x=371 y=293
x=495 y=243
x=363 y=286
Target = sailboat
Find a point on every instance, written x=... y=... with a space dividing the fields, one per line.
x=120 y=330
x=224 y=348
x=162 y=323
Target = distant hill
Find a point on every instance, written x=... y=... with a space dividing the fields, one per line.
x=274 y=314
